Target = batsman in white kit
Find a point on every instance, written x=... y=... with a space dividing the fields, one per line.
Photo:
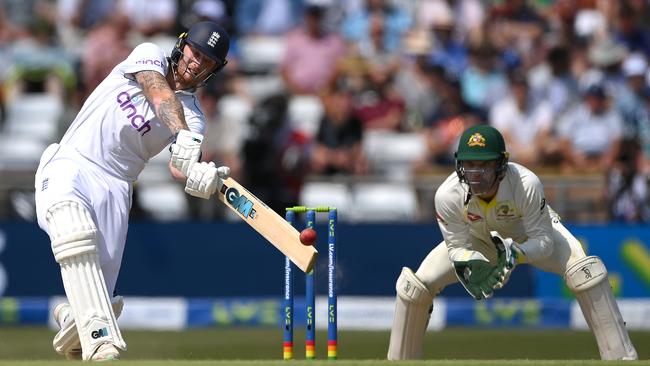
x=84 y=183
x=493 y=215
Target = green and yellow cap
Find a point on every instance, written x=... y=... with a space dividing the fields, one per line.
x=481 y=142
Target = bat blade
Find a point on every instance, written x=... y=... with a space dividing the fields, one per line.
x=268 y=223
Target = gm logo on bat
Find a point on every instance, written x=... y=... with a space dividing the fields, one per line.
x=239 y=202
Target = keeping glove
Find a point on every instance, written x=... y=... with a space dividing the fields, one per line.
x=508 y=254
x=478 y=277
x=204 y=179
x=186 y=150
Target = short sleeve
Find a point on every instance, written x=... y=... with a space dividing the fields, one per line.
x=146 y=56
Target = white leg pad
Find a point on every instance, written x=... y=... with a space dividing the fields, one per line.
x=413 y=306
x=67 y=339
x=74 y=244
x=587 y=278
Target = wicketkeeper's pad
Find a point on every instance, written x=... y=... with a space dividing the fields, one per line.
x=413 y=306
x=587 y=278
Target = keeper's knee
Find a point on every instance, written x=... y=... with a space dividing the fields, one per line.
x=411 y=289
x=585 y=274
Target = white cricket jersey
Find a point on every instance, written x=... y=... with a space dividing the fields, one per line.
x=117 y=128
x=518 y=211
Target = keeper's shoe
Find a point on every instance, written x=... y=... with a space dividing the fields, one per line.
x=106 y=352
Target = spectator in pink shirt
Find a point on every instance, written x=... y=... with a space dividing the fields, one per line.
x=311 y=56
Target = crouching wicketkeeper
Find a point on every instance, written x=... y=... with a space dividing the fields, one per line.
x=493 y=215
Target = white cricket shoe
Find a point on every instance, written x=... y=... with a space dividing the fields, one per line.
x=66 y=341
x=63 y=317
x=106 y=352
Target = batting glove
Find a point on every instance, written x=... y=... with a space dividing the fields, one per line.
x=205 y=178
x=186 y=150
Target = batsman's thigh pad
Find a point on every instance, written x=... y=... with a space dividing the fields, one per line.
x=413 y=306
x=74 y=244
x=587 y=278
x=67 y=339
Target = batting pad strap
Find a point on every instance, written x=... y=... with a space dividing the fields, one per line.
x=72 y=230
x=585 y=274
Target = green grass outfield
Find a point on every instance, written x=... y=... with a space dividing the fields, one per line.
x=263 y=347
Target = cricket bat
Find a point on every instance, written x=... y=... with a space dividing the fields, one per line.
x=269 y=224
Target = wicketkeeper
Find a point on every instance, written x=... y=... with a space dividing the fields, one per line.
x=493 y=215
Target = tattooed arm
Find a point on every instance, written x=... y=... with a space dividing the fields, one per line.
x=165 y=102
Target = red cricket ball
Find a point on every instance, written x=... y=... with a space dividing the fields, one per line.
x=308 y=236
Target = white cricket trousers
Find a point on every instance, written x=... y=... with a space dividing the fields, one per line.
x=64 y=175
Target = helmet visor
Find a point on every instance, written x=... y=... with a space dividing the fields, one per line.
x=195 y=64
x=480 y=179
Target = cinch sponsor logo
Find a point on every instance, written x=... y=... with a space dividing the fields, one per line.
x=103 y=332
x=149 y=62
x=137 y=121
x=239 y=202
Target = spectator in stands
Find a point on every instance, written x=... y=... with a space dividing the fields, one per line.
x=447 y=51
x=267 y=17
x=276 y=156
x=517 y=26
x=85 y=14
x=338 y=142
x=311 y=54
x=378 y=105
x=630 y=101
x=443 y=128
x=149 y=18
x=558 y=86
x=605 y=58
x=525 y=125
x=482 y=82
x=106 y=46
x=628 y=30
x=591 y=132
x=396 y=22
x=38 y=64
x=416 y=82
x=373 y=48
x=644 y=132
x=628 y=189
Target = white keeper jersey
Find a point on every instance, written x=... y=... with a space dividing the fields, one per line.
x=117 y=128
x=518 y=211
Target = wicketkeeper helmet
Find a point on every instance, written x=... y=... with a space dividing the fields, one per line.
x=481 y=142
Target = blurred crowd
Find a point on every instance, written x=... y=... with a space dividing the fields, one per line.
x=566 y=81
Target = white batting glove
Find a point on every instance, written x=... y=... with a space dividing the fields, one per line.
x=186 y=150
x=205 y=178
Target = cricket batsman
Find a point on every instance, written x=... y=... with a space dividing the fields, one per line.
x=84 y=183
x=493 y=215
